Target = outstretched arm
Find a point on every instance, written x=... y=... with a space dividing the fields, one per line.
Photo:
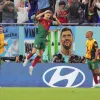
x=3 y=5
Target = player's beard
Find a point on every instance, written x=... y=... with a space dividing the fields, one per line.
x=87 y=37
x=1 y=31
x=67 y=44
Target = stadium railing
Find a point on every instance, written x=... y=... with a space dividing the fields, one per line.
x=63 y=24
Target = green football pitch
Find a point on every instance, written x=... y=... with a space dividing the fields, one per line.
x=49 y=93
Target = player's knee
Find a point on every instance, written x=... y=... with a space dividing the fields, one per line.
x=96 y=71
x=41 y=52
x=33 y=51
x=39 y=55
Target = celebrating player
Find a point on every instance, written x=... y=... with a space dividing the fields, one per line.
x=40 y=40
x=91 y=55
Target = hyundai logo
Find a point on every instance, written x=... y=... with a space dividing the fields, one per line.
x=53 y=75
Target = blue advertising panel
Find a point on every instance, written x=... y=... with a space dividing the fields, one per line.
x=46 y=75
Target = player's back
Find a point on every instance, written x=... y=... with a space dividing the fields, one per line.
x=90 y=48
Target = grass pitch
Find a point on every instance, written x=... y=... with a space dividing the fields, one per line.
x=49 y=93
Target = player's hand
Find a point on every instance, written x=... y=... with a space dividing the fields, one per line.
x=94 y=60
x=5 y=44
x=47 y=11
x=7 y=2
x=86 y=1
x=54 y=17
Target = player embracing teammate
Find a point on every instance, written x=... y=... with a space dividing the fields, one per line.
x=40 y=40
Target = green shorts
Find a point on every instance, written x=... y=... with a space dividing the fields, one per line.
x=40 y=43
x=92 y=65
x=98 y=61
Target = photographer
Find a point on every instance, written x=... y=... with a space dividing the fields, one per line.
x=58 y=58
x=76 y=59
x=17 y=59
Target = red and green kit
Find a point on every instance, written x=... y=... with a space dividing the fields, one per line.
x=43 y=28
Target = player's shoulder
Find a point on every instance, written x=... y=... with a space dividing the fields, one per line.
x=94 y=40
x=87 y=41
x=41 y=19
x=2 y=34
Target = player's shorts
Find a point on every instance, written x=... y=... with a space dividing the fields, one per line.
x=40 y=43
x=92 y=65
x=98 y=61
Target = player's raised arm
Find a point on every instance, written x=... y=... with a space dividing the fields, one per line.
x=3 y=5
x=41 y=14
x=57 y=21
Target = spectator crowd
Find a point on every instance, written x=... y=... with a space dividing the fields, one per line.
x=67 y=11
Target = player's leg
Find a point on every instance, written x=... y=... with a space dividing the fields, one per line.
x=96 y=71
x=32 y=53
x=36 y=60
x=95 y=77
x=0 y=62
x=91 y=67
x=99 y=68
x=29 y=56
x=36 y=46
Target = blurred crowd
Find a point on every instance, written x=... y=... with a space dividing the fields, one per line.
x=67 y=11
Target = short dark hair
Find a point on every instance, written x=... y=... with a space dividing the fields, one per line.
x=90 y=32
x=50 y=12
x=65 y=29
x=21 y=57
x=62 y=3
